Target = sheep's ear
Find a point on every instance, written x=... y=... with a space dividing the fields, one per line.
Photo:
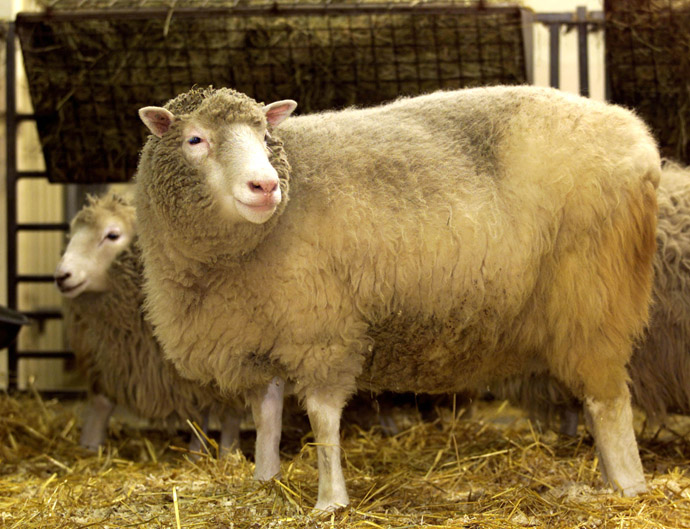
x=277 y=112
x=157 y=119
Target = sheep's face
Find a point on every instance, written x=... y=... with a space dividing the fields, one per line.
x=233 y=161
x=227 y=152
x=94 y=243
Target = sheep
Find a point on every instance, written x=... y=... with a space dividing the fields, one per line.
x=431 y=244
x=100 y=278
x=660 y=364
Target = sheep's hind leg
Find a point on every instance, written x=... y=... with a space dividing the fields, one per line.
x=93 y=431
x=267 y=410
x=611 y=424
x=569 y=419
x=325 y=409
x=230 y=431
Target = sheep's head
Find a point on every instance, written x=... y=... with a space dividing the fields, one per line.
x=98 y=234
x=212 y=150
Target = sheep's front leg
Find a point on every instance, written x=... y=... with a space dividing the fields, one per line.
x=98 y=412
x=611 y=424
x=324 y=409
x=267 y=410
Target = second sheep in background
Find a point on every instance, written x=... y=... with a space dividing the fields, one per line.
x=100 y=275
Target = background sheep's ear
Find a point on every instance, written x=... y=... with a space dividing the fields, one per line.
x=157 y=119
x=277 y=112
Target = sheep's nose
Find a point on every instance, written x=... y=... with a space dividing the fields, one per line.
x=264 y=187
x=61 y=277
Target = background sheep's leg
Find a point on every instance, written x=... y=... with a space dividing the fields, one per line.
x=387 y=422
x=267 y=410
x=610 y=422
x=569 y=419
x=230 y=431
x=195 y=442
x=98 y=412
x=324 y=409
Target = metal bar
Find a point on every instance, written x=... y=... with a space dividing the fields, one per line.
x=34 y=278
x=59 y=393
x=30 y=174
x=43 y=314
x=593 y=17
x=48 y=226
x=11 y=158
x=554 y=54
x=583 y=54
x=253 y=10
x=57 y=355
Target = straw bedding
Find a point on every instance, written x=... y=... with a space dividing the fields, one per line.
x=489 y=471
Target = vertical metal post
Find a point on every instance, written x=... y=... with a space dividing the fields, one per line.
x=554 y=54
x=11 y=144
x=527 y=20
x=583 y=56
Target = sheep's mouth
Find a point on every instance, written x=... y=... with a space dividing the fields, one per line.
x=67 y=290
x=258 y=212
x=262 y=208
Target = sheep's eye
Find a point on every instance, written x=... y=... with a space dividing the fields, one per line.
x=194 y=140
x=113 y=236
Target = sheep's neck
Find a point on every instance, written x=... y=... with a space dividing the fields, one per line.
x=191 y=266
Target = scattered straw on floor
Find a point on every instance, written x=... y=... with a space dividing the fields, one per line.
x=492 y=470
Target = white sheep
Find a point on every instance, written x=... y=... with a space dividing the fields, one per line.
x=432 y=244
x=660 y=365
x=100 y=276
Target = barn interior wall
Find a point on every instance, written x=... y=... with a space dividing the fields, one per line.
x=40 y=201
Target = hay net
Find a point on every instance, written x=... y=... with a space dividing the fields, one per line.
x=92 y=63
x=648 y=61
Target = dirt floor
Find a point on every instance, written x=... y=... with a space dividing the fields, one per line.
x=492 y=470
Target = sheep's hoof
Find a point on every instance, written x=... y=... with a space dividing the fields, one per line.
x=323 y=508
x=91 y=447
x=263 y=478
x=634 y=490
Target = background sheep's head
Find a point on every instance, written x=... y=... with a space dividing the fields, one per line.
x=98 y=234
